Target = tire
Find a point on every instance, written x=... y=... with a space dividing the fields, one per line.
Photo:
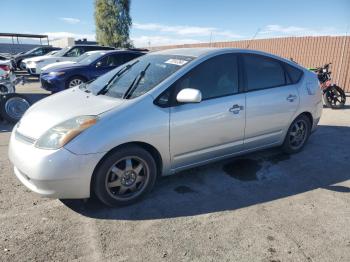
x=297 y=137
x=13 y=106
x=75 y=81
x=119 y=181
x=334 y=97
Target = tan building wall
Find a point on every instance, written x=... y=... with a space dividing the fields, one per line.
x=307 y=51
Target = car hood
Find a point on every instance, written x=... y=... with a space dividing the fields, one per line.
x=58 y=65
x=35 y=59
x=63 y=106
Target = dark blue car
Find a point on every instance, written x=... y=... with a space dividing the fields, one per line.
x=87 y=67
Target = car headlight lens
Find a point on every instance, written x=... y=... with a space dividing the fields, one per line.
x=59 y=135
x=39 y=61
x=56 y=73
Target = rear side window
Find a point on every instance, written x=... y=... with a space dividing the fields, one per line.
x=262 y=72
x=293 y=73
x=215 y=77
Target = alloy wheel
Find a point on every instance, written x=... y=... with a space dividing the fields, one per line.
x=298 y=134
x=75 y=82
x=127 y=178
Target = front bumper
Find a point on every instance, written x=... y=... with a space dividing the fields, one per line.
x=33 y=71
x=53 y=84
x=52 y=173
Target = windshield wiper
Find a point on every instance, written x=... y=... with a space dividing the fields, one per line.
x=117 y=75
x=85 y=85
x=135 y=82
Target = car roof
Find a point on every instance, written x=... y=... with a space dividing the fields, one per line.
x=202 y=52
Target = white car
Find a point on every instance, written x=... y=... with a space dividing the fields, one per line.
x=159 y=114
x=34 y=65
x=29 y=60
x=59 y=64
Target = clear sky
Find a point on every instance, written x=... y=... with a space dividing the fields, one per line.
x=160 y=22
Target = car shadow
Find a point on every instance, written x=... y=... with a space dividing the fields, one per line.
x=239 y=182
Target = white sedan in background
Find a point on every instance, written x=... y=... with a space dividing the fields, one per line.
x=35 y=65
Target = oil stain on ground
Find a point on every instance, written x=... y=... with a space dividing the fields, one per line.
x=276 y=158
x=244 y=169
x=184 y=190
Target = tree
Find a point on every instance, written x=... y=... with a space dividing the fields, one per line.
x=113 y=22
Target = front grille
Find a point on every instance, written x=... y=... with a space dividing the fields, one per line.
x=23 y=138
x=46 y=85
x=32 y=70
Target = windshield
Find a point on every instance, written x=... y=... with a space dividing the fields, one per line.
x=156 y=68
x=31 y=51
x=88 y=58
x=61 y=52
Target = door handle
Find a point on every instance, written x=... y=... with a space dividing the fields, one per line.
x=236 y=108
x=291 y=98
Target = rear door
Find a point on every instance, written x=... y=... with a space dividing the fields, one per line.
x=271 y=100
x=214 y=127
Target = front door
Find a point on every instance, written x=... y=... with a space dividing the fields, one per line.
x=214 y=127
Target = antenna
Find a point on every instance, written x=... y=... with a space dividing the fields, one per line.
x=251 y=40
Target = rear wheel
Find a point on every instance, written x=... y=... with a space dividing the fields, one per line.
x=297 y=135
x=125 y=176
x=334 y=97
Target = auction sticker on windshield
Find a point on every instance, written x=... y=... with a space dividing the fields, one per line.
x=179 y=62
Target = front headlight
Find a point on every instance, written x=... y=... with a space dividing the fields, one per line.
x=58 y=136
x=56 y=73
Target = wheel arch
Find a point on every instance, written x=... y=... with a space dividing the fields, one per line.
x=74 y=76
x=308 y=115
x=148 y=147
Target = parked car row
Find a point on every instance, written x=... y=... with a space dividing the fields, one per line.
x=72 y=66
x=63 y=75
x=38 y=51
x=35 y=65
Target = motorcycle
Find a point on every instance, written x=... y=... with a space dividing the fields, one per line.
x=333 y=96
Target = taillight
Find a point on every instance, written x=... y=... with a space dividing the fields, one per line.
x=5 y=68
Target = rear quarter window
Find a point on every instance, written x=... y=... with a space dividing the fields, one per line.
x=293 y=73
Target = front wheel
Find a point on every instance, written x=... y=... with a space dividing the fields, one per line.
x=125 y=176
x=297 y=135
x=75 y=81
x=334 y=97
x=13 y=106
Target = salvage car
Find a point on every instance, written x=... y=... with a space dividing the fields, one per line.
x=35 y=65
x=159 y=114
x=63 y=75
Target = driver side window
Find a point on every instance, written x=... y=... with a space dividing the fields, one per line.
x=215 y=77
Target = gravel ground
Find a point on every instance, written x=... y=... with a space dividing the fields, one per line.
x=264 y=206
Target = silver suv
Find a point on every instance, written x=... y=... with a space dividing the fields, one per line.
x=161 y=113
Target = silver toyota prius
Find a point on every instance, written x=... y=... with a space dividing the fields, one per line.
x=161 y=113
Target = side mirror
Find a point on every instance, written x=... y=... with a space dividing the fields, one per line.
x=98 y=64
x=189 y=95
